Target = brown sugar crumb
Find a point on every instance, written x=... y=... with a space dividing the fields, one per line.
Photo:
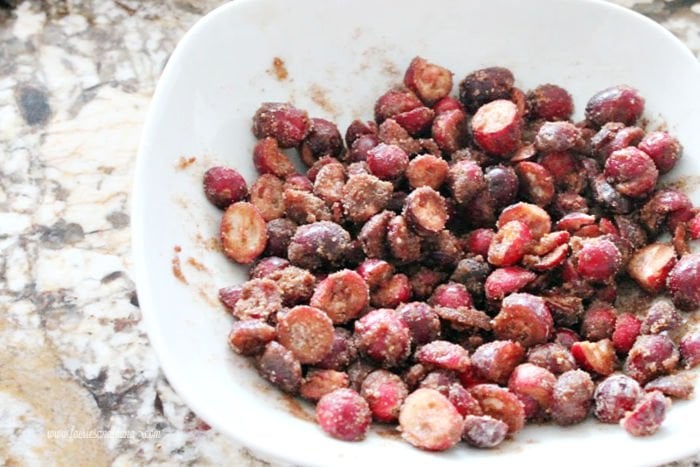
x=279 y=69
x=177 y=267
x=184 y=162
x=196 y=264
x=318 y=95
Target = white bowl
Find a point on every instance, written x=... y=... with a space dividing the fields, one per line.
x=340 y=56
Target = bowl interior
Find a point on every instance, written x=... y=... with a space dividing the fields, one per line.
x=340 y=56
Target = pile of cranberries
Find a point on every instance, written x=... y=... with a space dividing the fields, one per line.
x=453 y=266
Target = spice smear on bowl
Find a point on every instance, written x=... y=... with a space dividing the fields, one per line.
x=452 y=267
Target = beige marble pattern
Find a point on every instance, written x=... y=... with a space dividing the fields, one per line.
x=76 y=77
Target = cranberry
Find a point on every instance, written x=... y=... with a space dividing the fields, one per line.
x=427 y=170
x=690 y=348
x=483 y=431
x=318 y=244
x=534 y=382
x=344 y=414
x=429 y=81
x=536 y=183
x=388 y=162
x=416 y=121
x=661 y=316
x=318 y=383
x=557 y=137
x=485 y=85
x=598 y=322
x=280 y=367
x=342 y=295
x=392 y=293
x=664 y=150
x=495 y=361
x=553 y=357
x=343 y=351
x=383 y=336
x=509 y=244
x=394 y=102
x=250 y=337
x=595 y=357
x=500 y=404
x=429 y=421
x=550 y=102
x=631 y=172
x=426 y=210
x=627 y=329
x=464 y=179
x=646 y=418
x=496 y=127
x=524 y=318
x=651 y=356
x=615 y=104
x=422 y=321
x=224 y=186
x=505 y=281
x=282 y=121
x=679 y=385
x=502 y=183
x=384 y=392
x=572 y=397
x=243 y=233
x=598 y=260
x=536 y=218
x=614 y=396
x=683 y=282
x=449 y=130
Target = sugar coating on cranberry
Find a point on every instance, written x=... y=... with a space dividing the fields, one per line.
x=683 y=282
x=631 y=171
x=664 y=149
x=485 y=85
x=646 y=418
x=422 y=321
x=572 y=397
x=651 y=356
x=534 y=382
x=483 y=431
x=495 y=361
x=550 y=102
x=445 y=355
x=307 y=332
x=614 y=396
x=384 y=391
x=342 y=296
x=615 y=104
x=387 y=161
x=598 y=260
x=344 y=414
x=324 y=139
x=224 y=186
x=552 y=356
x=280 y=367
x=283 y=122
x=690 y=348
x=383 y=336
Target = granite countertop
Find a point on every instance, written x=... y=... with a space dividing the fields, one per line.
x=76 y=77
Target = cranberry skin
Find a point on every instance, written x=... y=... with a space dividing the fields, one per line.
x=647 y=416
x=502 y=183
x=627 y=329
x=483 y=431
x=384 y=392
x=550 y=102
x=631 y=172
x=394 y=102
x=598 y=322
x=505 y=281
x=664 y=149
x=342 y=353
x=533 y=381
x=318 y=244
x=324 y=139
x=359 y=128
x=495 y=361
x=485 y=85
x=651 y=356
x=278 y=365
x=465 y=179
x=383 y=336
x=478 y=241
x=444 y=355
x=451 y=295
x=690 y=349
x=598 y=260
x=621 y=104
x=662 y=316
x=523 y=318
x=446 y=104
x=344 y=415
x=572 y=397
x=683 y=282
x=614 y=396
x=557 y=137
x=501 y=404
x=282 y=121
x=224 y=186
x=360 y=147
x=387 y=161
x=496 y=127
x=449 y=130
x=553 y=357
x=422 y=321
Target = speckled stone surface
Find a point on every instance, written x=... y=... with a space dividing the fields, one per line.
x=76 y=77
